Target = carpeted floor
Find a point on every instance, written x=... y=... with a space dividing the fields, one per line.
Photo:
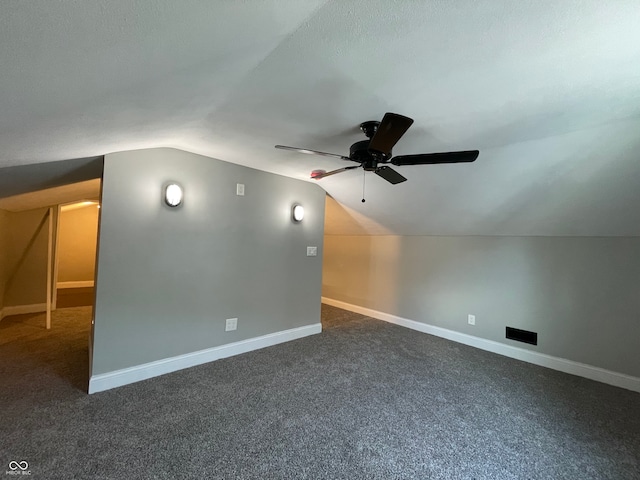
x=362 y=400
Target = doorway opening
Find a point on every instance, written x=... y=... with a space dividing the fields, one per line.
x=48 y=249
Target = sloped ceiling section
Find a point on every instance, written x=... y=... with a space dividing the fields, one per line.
x=74 y=192
x=24 y=179
x=548 y=91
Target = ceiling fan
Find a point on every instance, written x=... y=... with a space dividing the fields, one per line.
x=374 y=154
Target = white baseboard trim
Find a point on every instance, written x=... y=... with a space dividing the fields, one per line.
x=21 y=309
x=556 y=363
x=106 y=381
x=78 y=284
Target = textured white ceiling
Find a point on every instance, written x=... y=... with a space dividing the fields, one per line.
x=548 y=91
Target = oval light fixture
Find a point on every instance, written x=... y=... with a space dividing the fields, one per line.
x=173 y=194
x=297 y=213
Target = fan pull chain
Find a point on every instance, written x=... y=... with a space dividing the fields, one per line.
x=364 y=177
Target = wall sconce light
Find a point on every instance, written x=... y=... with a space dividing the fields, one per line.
x=297 y=213
x=173 y=194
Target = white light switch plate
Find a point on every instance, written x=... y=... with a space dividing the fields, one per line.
x=240 y=189
x=232 y=324
x=312 y=251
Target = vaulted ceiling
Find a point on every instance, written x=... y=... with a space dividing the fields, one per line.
x=548 y=91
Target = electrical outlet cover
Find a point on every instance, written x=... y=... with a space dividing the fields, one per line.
x=472 y=319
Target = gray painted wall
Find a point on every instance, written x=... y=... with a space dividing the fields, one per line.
x=582 y=295
x=168 y=278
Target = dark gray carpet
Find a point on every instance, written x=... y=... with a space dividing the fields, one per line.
x=362 y=400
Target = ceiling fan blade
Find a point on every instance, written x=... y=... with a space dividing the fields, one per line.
x=312 y=152
x=390 y=175
x=435 y=158
x=390 y=130
x=320 y=174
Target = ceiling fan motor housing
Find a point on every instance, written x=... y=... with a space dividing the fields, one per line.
x=359 y=152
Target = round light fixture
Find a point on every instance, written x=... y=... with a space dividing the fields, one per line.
x=173 y=194
x=297 y=213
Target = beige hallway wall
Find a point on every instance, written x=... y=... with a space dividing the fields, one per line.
x=78 y=234
x=25 y=266
x=4 y=253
